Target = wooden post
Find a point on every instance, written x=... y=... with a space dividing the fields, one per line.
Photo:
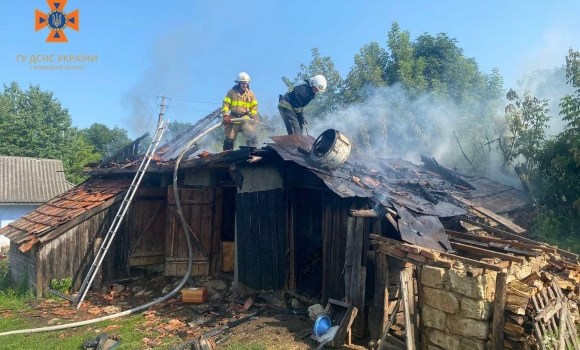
x=497 y=329
x=408 y=296
x=380 y=314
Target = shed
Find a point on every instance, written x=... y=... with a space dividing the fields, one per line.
x=284 y=222
x=26 y=183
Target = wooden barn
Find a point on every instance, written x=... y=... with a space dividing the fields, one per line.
x=268 y=217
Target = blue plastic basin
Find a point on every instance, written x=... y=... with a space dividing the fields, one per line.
x=322 y=325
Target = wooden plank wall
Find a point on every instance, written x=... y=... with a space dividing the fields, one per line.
x=23 y=265
x=260 y=240
x=72 y=253
x=197 y=205
x=307 y=240
x=335 y=242
x=147 y=219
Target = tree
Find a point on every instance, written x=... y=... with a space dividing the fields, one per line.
x=34 y=124
x=367 y=74
x=105 y=141
x=325 y=102
x=402 y=66
x=523 y=133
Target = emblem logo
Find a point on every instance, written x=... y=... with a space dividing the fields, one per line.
x=57 y=21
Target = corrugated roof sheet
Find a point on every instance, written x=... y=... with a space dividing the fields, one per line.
x=31 y=180
x=36 y=225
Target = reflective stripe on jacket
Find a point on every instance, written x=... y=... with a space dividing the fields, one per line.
x=239 y=104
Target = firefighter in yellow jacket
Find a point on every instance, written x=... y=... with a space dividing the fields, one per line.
x=240 y=102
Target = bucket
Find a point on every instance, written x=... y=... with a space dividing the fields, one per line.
x=322 y=325
x=331 y=149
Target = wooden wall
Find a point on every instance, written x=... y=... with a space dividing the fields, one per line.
x=147 y=219
x=72 y=253
x=23 y=265
x=197 y=205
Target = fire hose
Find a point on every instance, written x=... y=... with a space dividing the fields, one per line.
x=189 y=250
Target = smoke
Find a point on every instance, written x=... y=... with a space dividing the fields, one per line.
x=170 y=73
x=548 y=84
x=391 y=124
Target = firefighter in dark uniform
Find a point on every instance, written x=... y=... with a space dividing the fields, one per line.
x=291 y=105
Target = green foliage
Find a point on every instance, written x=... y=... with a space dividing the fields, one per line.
x=34 y=124
x=404 y=96
x=62 y=285
x=175 y=129
x=524 y=130
x=328 y=101
x=104 y=140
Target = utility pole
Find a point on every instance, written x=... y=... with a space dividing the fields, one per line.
x=161 y=112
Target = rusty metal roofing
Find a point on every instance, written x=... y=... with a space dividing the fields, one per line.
x=38 y=224
x=30 y=180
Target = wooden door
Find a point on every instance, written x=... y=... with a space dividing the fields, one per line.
x=197 y=206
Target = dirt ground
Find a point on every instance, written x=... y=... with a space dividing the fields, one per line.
x=278 y=322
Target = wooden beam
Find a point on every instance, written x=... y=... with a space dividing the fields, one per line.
x=503 y=233
x=364 y=213
x=497 y=247
x=472 y=262
x=489 y=239
x=485 y=252
x=500 y=219
x=382 y=342
x=497 y=328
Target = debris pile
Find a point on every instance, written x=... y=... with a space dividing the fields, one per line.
x=542 y=309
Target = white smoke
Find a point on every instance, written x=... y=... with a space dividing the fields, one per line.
x=170 y=72
x=391 y=124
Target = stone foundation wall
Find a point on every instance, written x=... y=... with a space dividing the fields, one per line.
x=456 y=310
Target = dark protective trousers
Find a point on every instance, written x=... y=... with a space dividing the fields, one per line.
x=231 y=133
x=294 y=124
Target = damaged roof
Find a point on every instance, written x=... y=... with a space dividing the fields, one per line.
x=26 y=180
x=421 y=195
x=40 y=224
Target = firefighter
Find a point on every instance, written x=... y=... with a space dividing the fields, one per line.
x=240 y=102
x=291 y=105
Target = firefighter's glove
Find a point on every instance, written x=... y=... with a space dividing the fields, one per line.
x=227 y=120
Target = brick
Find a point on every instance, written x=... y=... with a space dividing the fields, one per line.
x=429 y=254
x=441 y=300
x=410 y=249
x=467 y=327
x=433 y=276
x=433 y=318
x=445 y=340
x=473 y=287
x=476 y=309
x=472 y=344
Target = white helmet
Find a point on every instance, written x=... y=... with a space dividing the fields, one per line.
x=318 y=81
x=243 y=77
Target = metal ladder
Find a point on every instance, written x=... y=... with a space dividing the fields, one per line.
x=161 y=127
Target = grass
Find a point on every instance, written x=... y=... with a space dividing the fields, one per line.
x=243 y=346
x=14 y=297
x=73 y=338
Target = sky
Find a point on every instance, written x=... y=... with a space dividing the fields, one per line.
x=191 y=51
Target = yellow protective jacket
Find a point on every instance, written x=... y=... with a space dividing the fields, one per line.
x=238 y=104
